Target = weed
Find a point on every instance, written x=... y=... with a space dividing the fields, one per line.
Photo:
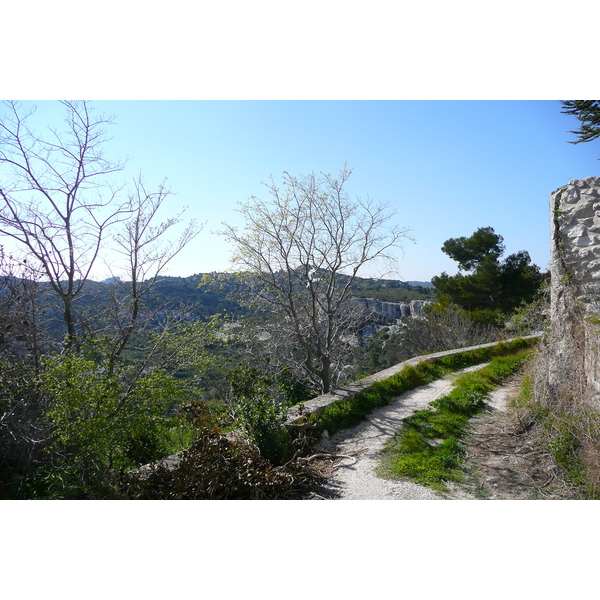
x=564 y=445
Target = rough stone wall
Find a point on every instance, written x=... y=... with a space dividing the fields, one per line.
x=573 y=361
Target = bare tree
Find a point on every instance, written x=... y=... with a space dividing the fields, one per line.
x=56 y=202
x=299 y=253
x=146 y=251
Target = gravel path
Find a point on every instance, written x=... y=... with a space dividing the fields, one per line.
x=355 y=478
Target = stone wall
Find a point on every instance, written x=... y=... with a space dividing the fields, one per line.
x=573 y=341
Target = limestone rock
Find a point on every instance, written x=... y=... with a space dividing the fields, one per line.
x=573 y=363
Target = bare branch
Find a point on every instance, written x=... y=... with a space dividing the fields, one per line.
x=303 y=248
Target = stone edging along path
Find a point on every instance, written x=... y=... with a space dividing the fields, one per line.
x=316 y=405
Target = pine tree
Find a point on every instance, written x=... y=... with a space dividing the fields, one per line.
x=588 y=112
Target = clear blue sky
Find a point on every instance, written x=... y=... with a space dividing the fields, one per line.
x=447 y=167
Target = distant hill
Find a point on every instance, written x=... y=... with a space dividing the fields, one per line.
x=393 y=290
x=218 y=292
x=205 y=295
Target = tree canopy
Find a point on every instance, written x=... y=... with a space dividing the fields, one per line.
x=469 y=252
x=491 y=288
x=588 y=112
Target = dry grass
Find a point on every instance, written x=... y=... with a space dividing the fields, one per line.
x=569 y=422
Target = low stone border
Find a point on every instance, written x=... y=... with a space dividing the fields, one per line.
x=316 y=405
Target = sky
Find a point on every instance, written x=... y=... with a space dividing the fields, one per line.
x=447 y=167
x=450 y=111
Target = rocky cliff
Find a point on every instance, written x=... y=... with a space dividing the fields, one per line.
x=392 y=310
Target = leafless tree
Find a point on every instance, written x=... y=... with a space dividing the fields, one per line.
x=55 y=200
x=299 y=253
x=57 y=203
x=146 y=251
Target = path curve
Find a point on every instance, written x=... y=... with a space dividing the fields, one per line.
x=356 y=479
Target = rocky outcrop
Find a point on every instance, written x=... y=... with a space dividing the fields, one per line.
x=391 y=310
x=574 y=338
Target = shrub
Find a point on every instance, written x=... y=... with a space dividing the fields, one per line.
x=104 y=424
x=260 y=413
x=213 y=468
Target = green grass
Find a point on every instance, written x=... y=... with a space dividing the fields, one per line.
x=349 y=412
x=429 y=448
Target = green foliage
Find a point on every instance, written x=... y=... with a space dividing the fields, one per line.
x=389 y=290
x=22 y=428
x=429 y=448
x=260 y=412
x=103 y=424
x=588 y=113
x=564 y=445
x=471 y=251
x=294 y=389
x=532 y=316
x=494 y=288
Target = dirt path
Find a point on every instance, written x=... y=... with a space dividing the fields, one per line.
x=355 y=479
x=509 y=462
x=503 y=463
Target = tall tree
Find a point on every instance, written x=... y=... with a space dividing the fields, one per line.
x=55 y=200
x=488 y=288
x=299 y=253
x=59 y=204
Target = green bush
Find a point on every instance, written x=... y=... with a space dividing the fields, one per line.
x=261 y=412
x=262 y=418
x=104 y=424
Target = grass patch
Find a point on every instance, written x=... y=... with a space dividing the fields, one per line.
x=429 y=448
x=349 y=412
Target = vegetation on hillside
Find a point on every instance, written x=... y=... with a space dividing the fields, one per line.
x=100 y=378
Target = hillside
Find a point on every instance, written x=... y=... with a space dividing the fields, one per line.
x=202 y=295
x=213 y=293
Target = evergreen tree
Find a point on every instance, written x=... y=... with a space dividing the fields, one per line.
x=491 y=288
x=588 y=112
